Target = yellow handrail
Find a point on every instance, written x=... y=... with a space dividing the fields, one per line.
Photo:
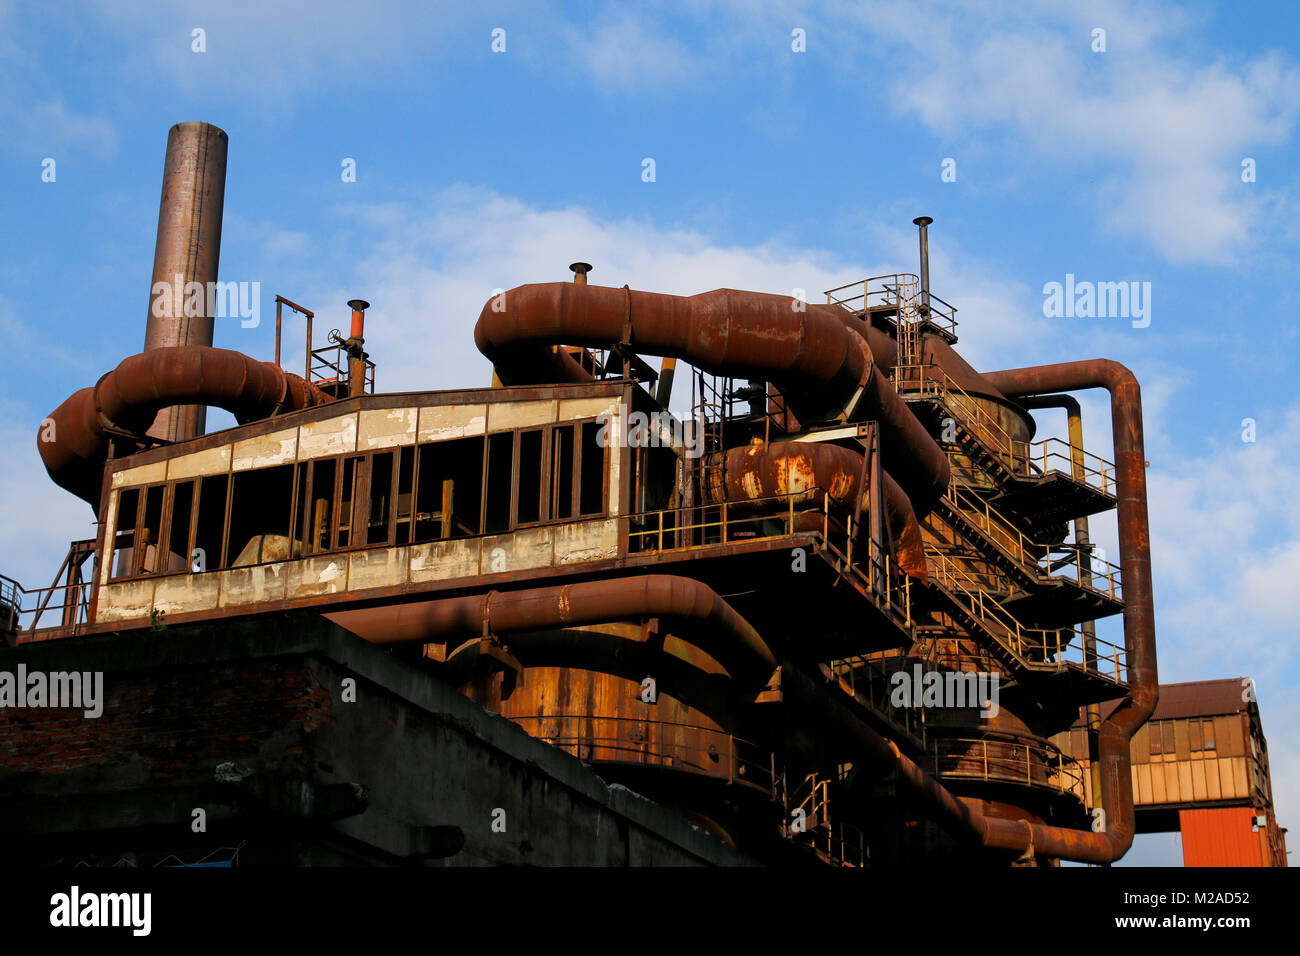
x=988 y=610
x=1059 y=771
x=649 y=529
x=933 y=380
x=1004 y=532
x=1038 y=457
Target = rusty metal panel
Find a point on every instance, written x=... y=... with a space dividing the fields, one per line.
x=1158 y=780
x=1185 y=792
x=1200 y=790
x=1230 y=735
x=1213 y=788
x=1220 y=837
x=1141 y=746
x=1206 y=698
x=1241 y=777
x=1145 y=793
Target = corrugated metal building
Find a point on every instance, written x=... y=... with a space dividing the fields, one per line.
x=1200 y=767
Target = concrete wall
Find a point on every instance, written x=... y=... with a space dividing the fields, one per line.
x=251 y=721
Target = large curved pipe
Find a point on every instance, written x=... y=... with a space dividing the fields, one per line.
x=1139 y=611
x=954 y=814
x=726 y=635
x=814 y=471
x=127 y=399
x=823 y=370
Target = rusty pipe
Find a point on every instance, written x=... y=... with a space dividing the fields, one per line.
x=814 y=471
x=922 y=223
x=126 y=400
x=725 y=635
x=667 y=370
x=187 y=249
x=830 y=704
x=355 y=347
x=824 y=370
x=1018 y=836
x=1139 y=610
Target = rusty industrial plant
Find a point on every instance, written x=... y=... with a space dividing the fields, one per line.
x=712 y=608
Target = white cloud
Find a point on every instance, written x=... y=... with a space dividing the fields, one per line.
x=431 y=265
x=623 y=53
x=1225 y=543
x=1164 y=129
x=1164 y=126
x=1170 y=132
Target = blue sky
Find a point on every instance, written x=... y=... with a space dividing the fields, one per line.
x=774 y=170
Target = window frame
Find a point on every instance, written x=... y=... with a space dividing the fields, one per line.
x=304 y=479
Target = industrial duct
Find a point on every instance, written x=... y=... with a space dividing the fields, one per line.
x=814 y=471
x=825 y=372
x=725 y=635
x=74 y=440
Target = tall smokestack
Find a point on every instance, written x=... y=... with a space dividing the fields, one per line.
x=188 y=247
x=921 y=222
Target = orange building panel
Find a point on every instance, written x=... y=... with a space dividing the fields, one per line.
x=1221 y=837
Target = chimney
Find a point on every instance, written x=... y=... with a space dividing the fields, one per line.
x=354 y=344
x=187 y=250
x=921 y=222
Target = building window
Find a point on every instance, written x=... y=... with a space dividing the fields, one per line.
x=467 y=486
x=500 y=482
x=532 y=472
x=261 y=511
x=210 y=523
x=563 y=491
x=591 y=469
x=122 y=541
